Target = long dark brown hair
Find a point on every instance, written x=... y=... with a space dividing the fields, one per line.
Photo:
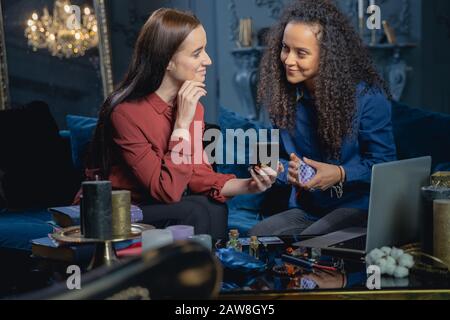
x=343 y=64
x=158 y=41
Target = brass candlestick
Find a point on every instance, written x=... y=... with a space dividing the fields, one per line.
x=104 y=255
x=104 y=249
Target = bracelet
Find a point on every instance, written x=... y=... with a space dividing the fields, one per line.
x=341 y=171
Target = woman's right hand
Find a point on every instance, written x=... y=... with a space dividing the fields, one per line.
x=187 y=100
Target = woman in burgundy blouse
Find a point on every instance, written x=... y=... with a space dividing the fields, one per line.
x=145 y=140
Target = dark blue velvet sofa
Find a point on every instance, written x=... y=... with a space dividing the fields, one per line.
x=417 y=133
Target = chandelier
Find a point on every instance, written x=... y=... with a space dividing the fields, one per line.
x=68 y=33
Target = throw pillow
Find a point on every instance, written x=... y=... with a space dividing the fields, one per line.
x=81 y=134
x=37 y=172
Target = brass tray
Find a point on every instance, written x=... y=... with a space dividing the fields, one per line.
x=73 y=235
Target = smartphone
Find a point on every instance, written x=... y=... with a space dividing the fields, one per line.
x=265 y=154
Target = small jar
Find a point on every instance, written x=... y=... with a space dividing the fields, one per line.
x=233 y=241
x=254 y=247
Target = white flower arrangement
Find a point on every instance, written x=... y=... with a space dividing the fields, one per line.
x=392 y=261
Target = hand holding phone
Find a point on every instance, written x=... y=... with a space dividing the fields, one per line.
x=265 y=154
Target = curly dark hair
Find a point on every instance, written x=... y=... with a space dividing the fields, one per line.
x=343 y=64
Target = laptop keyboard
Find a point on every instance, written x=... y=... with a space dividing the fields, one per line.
x=355 y=244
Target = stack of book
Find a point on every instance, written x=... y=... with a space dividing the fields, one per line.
x=47 y=248
x=70 y=216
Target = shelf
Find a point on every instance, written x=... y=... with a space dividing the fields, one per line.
x=392 y=46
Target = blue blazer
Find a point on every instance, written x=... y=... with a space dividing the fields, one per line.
x=372 y=143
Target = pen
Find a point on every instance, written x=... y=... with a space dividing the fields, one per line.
x=304 y=263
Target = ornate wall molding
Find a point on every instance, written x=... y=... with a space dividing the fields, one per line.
x=397 y=13
x=131 y=29
x=275 y=7
x=234 y=21
x=351 y=9
x=403 y=25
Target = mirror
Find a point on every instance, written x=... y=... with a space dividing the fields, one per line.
x=56 y=51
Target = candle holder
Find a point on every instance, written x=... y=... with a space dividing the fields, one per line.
x=104 y=253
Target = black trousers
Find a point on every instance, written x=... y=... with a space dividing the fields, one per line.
x=205 y=215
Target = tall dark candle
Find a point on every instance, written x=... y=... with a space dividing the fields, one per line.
x=97 y=212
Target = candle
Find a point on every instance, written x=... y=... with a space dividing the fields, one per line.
x=121 y=215
x=204 y=239
x=181 y=232
x=361 y=9
x=97 y=213
x=155 y=238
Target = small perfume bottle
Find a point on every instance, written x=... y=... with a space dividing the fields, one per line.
x=254 y=247
x=234 y=240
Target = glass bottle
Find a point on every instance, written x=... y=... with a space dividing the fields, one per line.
x=254 y=247
x=234 y=240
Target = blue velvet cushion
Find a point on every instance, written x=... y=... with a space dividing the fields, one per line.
x=18 y=229
x=442 y=167
x=81 y=134
x=243 y=210
x=422 y=133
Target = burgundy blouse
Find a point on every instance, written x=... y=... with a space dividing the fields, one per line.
x=148 y=163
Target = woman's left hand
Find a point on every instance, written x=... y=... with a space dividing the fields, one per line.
x=327 y=175
x=263 y=178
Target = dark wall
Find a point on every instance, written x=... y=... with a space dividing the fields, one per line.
x=417 y=22
x=73 y=86
x=126 y=20
x=435 y=54
x=69 y=86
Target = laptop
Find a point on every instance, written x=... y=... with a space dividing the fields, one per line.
x=395 y=210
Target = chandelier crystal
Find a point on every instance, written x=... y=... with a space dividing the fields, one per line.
x=64 y=34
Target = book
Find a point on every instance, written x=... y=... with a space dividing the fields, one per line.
x=133 y=250
x=47 y=248
x=70 y=216
x=66 y=216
